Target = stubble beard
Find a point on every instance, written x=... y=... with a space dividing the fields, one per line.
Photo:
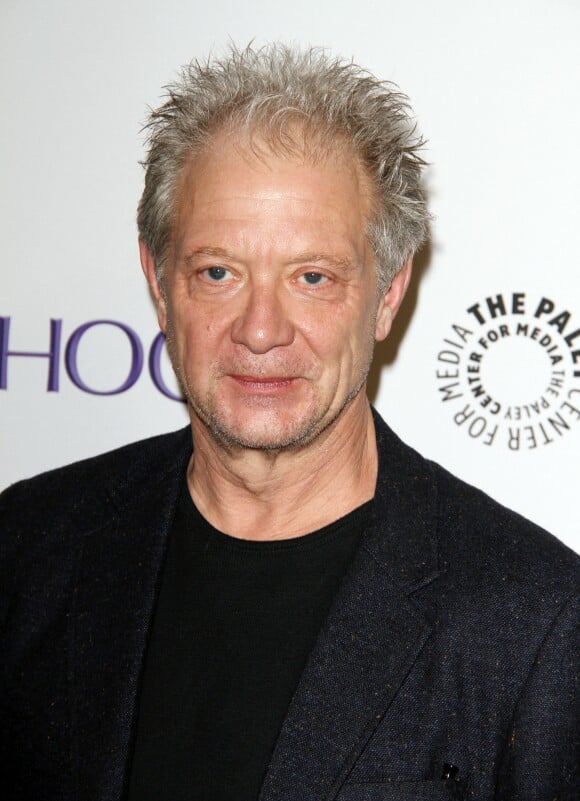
x=294 y=439
x=231 y=440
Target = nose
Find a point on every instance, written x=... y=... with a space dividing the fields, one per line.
x=262 y=323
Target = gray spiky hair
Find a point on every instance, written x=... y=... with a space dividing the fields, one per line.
x=269 y=90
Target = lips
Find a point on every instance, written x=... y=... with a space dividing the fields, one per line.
x=264 y=383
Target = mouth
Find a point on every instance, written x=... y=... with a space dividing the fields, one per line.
x=264 y=383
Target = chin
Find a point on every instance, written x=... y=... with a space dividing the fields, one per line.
x=268 y=438
x=266 y=424
x=273 y=432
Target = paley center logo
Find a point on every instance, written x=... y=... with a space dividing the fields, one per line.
x=508 y=371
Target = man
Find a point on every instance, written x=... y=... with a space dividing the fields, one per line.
x=301 y=607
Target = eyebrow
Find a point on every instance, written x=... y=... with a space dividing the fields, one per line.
x=210 y=251
x=326 y=258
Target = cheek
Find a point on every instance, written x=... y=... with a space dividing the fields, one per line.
x=331 y=337
x=200 y=338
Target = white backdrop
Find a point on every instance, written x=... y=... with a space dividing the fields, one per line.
x=495 y=88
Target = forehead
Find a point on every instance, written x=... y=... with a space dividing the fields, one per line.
x=241 y=185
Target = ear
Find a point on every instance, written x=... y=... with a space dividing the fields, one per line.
x=148 y=265
x=390 y=302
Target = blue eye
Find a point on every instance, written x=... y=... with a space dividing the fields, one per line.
x=217 y=273
x=313 y=278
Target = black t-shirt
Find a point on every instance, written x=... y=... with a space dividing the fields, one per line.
x=234 y=623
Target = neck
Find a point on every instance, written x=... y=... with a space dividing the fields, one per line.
x=258 y=495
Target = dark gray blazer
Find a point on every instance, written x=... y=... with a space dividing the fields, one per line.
x=452 y=640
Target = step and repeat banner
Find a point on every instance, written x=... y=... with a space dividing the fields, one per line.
x=482 y=370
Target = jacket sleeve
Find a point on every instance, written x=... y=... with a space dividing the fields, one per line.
x=542 y=757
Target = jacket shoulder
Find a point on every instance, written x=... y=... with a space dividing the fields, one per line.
x=480 y=544
x=43 y=520
x=84 y=494
x=490 y=538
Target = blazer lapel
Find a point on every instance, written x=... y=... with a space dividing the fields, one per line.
x=370 y=640
x=119 y=570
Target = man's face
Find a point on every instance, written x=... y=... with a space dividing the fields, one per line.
x=270 y=295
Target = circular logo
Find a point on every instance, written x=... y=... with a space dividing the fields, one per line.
x=509 y=371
